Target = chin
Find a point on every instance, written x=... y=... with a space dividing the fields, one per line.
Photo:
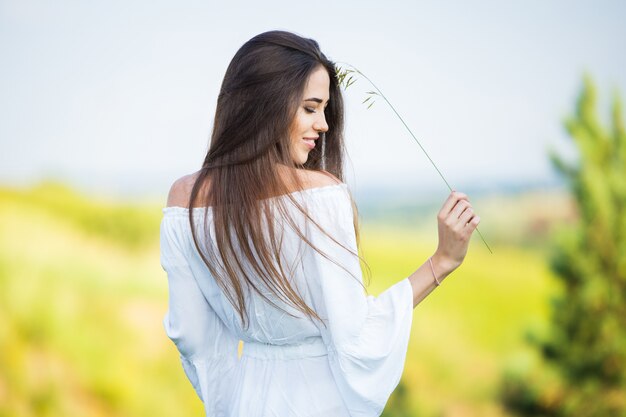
x=301 y=159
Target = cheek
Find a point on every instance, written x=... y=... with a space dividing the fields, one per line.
x=302 y=121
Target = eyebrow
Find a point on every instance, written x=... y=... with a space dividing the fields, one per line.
x=315 y=99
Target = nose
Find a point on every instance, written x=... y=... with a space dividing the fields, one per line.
x=320 y=124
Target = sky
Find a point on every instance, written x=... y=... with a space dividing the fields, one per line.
x=118 y=97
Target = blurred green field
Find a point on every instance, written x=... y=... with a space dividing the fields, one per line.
x=82 y=296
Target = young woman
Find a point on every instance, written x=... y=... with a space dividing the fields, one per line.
x=261 y=245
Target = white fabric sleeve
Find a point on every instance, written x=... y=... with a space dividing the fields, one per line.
x=367 y=337
x=208 y=350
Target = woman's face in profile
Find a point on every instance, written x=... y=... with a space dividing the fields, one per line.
x=310 y=120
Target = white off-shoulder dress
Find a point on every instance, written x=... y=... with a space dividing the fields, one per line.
x=290 y=366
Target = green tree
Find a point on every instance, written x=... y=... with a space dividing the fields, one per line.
x=586 y=344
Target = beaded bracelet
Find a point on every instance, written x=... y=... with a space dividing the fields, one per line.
x=433 y=269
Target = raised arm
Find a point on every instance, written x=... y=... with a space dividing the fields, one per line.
x=456 y=223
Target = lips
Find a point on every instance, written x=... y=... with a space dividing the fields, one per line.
x=310 y=142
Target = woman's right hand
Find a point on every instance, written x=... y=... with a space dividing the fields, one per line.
x=456 y=223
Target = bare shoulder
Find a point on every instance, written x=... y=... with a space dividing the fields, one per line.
x=307 y=178
x=180 y=190
x=316 y=179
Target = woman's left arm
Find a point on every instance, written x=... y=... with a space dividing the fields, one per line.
x=208 y=350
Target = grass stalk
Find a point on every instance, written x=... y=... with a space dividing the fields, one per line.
x=346 y=78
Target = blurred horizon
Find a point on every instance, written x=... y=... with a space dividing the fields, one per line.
x=373 y=196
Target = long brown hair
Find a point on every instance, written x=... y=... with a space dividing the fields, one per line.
x=248 y=162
